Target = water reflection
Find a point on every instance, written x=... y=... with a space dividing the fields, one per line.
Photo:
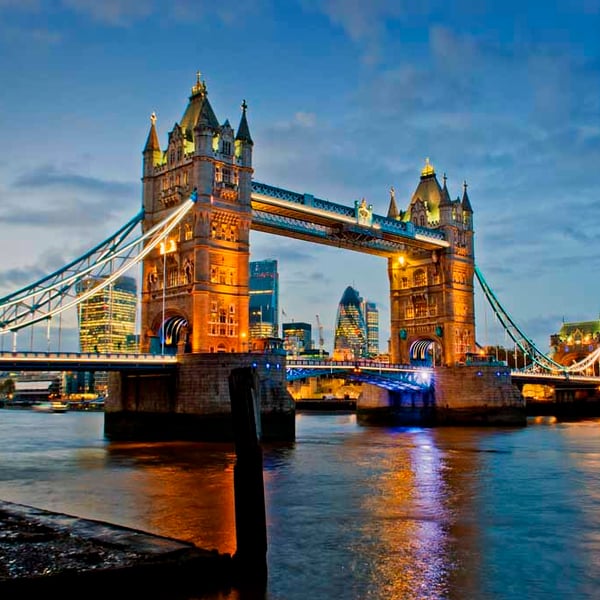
x=352 y=512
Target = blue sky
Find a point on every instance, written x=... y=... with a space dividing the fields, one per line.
x=346 y=98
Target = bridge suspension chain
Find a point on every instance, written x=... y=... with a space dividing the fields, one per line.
x=103 y=264
x=525 y=344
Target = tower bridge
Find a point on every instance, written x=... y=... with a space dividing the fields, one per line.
x=199 y=203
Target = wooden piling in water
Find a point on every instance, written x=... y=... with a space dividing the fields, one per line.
x=250 y=557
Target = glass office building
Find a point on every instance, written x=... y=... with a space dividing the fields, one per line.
x=107 y=319
x=350 y=341
x=264 y=299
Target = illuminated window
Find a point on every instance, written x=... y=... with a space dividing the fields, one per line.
x=419 y=278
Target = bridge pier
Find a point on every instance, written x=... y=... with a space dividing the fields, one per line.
x=193 y=403
x=460 y=395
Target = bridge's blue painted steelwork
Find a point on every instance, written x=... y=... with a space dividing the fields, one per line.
x=391 y=377
x=319 y=219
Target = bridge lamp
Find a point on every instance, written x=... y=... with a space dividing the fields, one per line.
x=402 y=261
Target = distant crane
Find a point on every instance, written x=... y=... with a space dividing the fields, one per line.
x=320 y=336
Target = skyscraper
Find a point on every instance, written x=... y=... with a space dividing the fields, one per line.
x=107 y=318
x=372 y=322
x=350 y=341
x=297 y=337
x=264 y=299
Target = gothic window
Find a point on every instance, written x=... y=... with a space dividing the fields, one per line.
x=420 y=306
x=404 y=283
x=419 y=278
x=226 y=176
x=432 y=307
x=188 y=232
x=214 y=278
x=222 y=276
x=172 y=275
x=186 y=177
x=227 y=148
x=232 y=233
x=222 y=321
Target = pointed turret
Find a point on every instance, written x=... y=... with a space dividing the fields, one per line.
x=466 y=204
x=152 y=143
x=393 y=209
x=243 y=132
x=445 y=199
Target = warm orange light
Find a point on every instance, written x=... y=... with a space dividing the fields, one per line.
x=168 y=247
x=402 y=260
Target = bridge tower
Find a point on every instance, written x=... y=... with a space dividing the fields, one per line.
x=195 y=287
x=431 y=292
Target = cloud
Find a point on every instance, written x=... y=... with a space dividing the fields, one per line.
x=112 y=12
x=60 y=199
x=365 y=23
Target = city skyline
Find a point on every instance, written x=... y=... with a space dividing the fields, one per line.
x=343 y=103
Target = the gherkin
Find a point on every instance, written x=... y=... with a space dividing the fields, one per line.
x=350 y=327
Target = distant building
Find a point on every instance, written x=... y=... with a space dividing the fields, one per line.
x=371 y=315
x=107 y=321
x=297 y=338
x=350 y=339
x=575 y=341
x=263 y=287
x=107 y=318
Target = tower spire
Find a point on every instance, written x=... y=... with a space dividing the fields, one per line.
x=243 y=132
x=466 y=203
x=152 y=143
x=393 y=209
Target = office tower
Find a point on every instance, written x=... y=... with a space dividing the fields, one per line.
x=107 y=318
x=350 y=341
x=372 y=322
x=264 y=299
x=297 y=337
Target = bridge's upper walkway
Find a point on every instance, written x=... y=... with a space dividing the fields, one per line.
x=302 y=216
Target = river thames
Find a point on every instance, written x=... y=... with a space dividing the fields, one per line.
x=353 y=512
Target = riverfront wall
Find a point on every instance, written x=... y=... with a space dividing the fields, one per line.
x=193 y=402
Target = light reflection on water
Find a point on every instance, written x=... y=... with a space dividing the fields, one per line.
x=352 y=512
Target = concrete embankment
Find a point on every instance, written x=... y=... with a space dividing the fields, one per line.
x=66 y=556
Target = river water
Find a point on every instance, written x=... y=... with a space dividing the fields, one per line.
x=353 y=512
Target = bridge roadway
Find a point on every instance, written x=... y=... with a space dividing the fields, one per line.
x=392 y=376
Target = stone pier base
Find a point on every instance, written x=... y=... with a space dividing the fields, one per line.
x=193 y=402
x=461 y=395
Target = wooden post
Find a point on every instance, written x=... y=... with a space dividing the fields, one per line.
x=249 y=494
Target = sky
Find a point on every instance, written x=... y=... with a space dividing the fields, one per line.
x=345 y=99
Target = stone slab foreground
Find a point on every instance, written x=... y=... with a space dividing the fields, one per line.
x=43 y=551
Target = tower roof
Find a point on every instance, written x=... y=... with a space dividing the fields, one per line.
x=152 y=143
x=466 y=203
x=199 y=110
x=445 y=199
x=243 y=132
x=393 y=209
x=429 y=191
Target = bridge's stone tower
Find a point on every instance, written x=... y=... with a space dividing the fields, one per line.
x=195 y=288
x=431 y=292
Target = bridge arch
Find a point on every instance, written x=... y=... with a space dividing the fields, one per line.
x=169 y=332
x=426 y=351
